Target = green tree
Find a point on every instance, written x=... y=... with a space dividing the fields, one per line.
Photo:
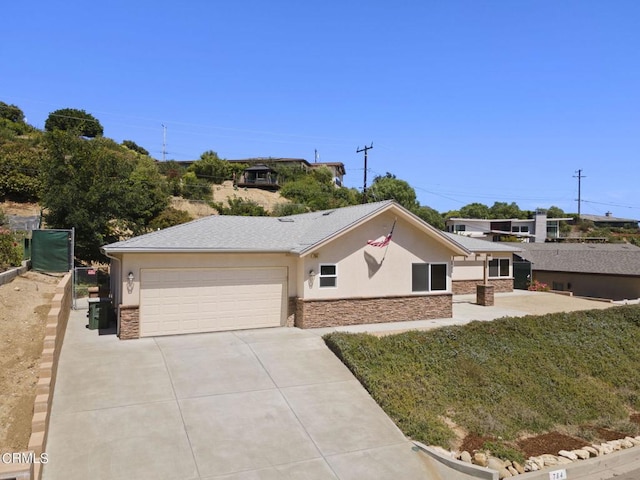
x=317 y=191
x=212 y=168
x=169 y=217
x=194 y=188
x=103 y=191
x=10 y=250
x=475 y=210
x=241 y=207
x=20 y=170
x=77 y=122
x=131 y=145
x=555 y=212
x=431 y=216
x=11 y=113
x=173 y=172
x=502 y=210
x=389 y=187
x=285 y=209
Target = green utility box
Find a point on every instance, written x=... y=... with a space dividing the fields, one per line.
x=99 y=313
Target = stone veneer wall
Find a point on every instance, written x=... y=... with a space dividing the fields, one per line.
x=291 y=311
x=129 y=317
x=465 y=287
x=357 y=311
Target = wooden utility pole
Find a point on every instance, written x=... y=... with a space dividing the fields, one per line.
x=365 y=149
x=579 y=177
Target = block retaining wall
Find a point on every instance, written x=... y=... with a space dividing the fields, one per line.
x=54 y=335
x=467 y=287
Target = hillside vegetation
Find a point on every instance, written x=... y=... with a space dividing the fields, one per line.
x=504 y=379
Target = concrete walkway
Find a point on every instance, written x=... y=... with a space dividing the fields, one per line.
x=261 y=404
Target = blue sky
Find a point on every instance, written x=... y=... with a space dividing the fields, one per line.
x=467 y=100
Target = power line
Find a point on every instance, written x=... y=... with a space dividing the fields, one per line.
x=365 y=149
x=579 y=177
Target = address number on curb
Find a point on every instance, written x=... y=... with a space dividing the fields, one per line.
x=558 y=475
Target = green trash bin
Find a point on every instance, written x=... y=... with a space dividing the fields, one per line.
x=99 y=313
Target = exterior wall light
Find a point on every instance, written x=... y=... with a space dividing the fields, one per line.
x=130 y=278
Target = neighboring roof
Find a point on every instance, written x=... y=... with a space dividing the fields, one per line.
x=259 y=168
x=477 y=245
x=472 y=220
x=24 y=223
x=607 y=218
x=293 y=234
x=608 y=258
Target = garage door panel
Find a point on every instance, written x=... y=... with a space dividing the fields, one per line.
x=203 y=300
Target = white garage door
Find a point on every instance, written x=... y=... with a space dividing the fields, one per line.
x=211 y=299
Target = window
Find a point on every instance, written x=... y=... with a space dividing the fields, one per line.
x=428 y=277
x=459 y=228
x=499 y=267
x=520 y=229
x=328 y=276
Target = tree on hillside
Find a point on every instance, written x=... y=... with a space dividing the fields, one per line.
x=131 y=145
x=318 y=192
x=555 y=212
x=389 y=187
x=431 y=216
x=77 y=122
x=214 y=169
x=502 y=210
x=241 y=207
x=11 y=113
x=20 y=166
x=475 y=210
x=103 y=191
x=169 y=217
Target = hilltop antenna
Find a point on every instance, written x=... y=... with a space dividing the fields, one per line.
x=164 y=142
x=316 y=156
x=365 y=149
x=579 y=177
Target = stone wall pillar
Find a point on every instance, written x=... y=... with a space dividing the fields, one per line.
x=484 y=295
x=129 y=318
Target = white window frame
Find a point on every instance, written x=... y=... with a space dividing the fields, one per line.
x=499 y=260
x=334 y=276
x=430 y=266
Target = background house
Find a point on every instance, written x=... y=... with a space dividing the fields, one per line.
x=609 y=271
x=310 y=270
x=536 y=229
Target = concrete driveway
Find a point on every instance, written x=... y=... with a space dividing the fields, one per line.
x=264 y=404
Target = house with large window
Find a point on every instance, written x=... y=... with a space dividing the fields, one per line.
x=336 y=168
x=369 y=263
x=536 y=229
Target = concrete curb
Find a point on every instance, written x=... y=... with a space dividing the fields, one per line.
x=596 y=468
x=28 y=465
x=9 y=275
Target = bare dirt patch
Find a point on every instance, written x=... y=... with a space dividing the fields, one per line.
x=24 y=305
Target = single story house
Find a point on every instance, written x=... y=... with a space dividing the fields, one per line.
x=361 y=264
x=608 y=220
x=610 y=270
x=489 y=262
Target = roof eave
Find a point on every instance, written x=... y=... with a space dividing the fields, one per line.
x=193 y=250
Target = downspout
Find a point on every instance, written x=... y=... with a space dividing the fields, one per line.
x=118 y=290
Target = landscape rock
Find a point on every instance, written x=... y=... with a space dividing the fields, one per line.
x=564 y=461
x=480 y=458
x=581 y=453
x=567 y=454
x=549 y=460
x=531 y=466
x=593 y=451
x=538 y=461
x=465 y=457
x=633 y=440
x=504 y=473
x=615 y=444
x=512 y=471
x=606 y=449
x=496 y=464
x=519 y=468
x=626 y=443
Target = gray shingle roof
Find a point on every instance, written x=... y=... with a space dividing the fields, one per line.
x=295 y=234
x=611 y=259
x=479 y=245
x=605 y=218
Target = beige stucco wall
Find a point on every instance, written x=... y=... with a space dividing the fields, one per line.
x=135 y=262
x=365 y=271
x=474 y=269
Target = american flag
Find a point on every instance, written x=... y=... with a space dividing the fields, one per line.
x=382 y=241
